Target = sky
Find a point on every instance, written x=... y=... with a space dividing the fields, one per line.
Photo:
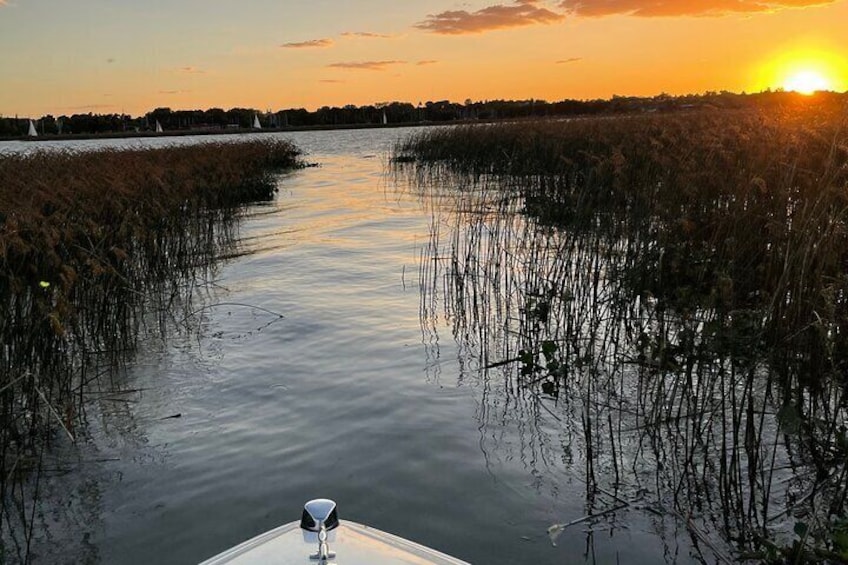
x=108 y=56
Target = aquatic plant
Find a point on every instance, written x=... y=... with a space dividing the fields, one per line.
x=94 y=247
x=668 y=290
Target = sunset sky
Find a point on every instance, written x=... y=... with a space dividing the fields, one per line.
x=104 y=56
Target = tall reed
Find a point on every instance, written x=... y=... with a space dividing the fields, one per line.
x=676 y=287
x=94 y=247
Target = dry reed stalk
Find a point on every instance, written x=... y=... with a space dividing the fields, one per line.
x=691 y=271
x=93 y=247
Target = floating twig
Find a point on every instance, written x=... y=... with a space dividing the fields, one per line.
x=555 y=530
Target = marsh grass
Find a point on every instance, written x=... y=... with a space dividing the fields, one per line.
x=670 y=293
x=96 y=247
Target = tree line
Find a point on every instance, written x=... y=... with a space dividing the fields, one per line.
x=374 y=114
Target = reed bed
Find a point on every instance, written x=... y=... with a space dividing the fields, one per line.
x=669 y=292
x=94 y=247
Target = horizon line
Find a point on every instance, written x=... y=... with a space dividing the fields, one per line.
x=79 y=109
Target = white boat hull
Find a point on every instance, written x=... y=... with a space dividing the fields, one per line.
x=352 y=543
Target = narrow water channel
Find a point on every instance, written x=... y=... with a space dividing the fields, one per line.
x=313 y=368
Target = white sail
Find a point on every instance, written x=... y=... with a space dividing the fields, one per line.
x=158 y=127
x=256 y=124
x=385 y=119
x=32 y=132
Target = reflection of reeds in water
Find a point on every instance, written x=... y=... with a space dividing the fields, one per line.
x=670 y=293
x=94 y=247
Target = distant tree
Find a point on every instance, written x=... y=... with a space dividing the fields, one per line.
x=47 y=125
x=162 y=115
x=11 y=127
x=217 y=116
x=402 y=112
x=240 y=117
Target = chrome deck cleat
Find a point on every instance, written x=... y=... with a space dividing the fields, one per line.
x=321 y=516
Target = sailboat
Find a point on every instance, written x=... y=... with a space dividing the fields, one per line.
x=158 y=127
x=385 y=119
x=256 y=124
x=32 y=132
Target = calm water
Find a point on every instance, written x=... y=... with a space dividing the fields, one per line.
x=358 y=393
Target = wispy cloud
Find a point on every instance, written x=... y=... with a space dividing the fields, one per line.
x=331 y=81
x=189 y=70
x=426 y=62
x=365 y=65
x=367 y=34
x=519 y=13
x=659 y=8
x=310 y=44
x=172 y=92
x=569 y=60
x=89 y=107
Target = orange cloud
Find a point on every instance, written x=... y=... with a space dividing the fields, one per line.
x=312 y=43
x=366 y=65
x=366 y=34
x=426 y=62
x=460 y=22
x=191 y=70
x=331 y=81
x=569 y=60
x=659 y=8
x=87 y=106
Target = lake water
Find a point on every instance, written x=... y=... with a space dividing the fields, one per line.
x=360 y=392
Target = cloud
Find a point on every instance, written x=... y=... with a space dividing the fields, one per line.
x=89 y=106
x=312 y=43
x=659 y=8
x=171 y=92
x=519 y=13
x=569 y=60
x=190 y=70
x=366 y=34
x=426 y=62
x=366 y=65
x=331 y=81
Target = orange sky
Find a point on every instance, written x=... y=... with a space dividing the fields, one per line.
x=63 y=57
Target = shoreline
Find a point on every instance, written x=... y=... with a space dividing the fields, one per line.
x=233 y=131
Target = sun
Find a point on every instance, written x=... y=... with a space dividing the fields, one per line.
x=805 y=70
x=806 y=81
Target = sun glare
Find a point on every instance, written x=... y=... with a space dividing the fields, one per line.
x=806 y=82
x=804 y=70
